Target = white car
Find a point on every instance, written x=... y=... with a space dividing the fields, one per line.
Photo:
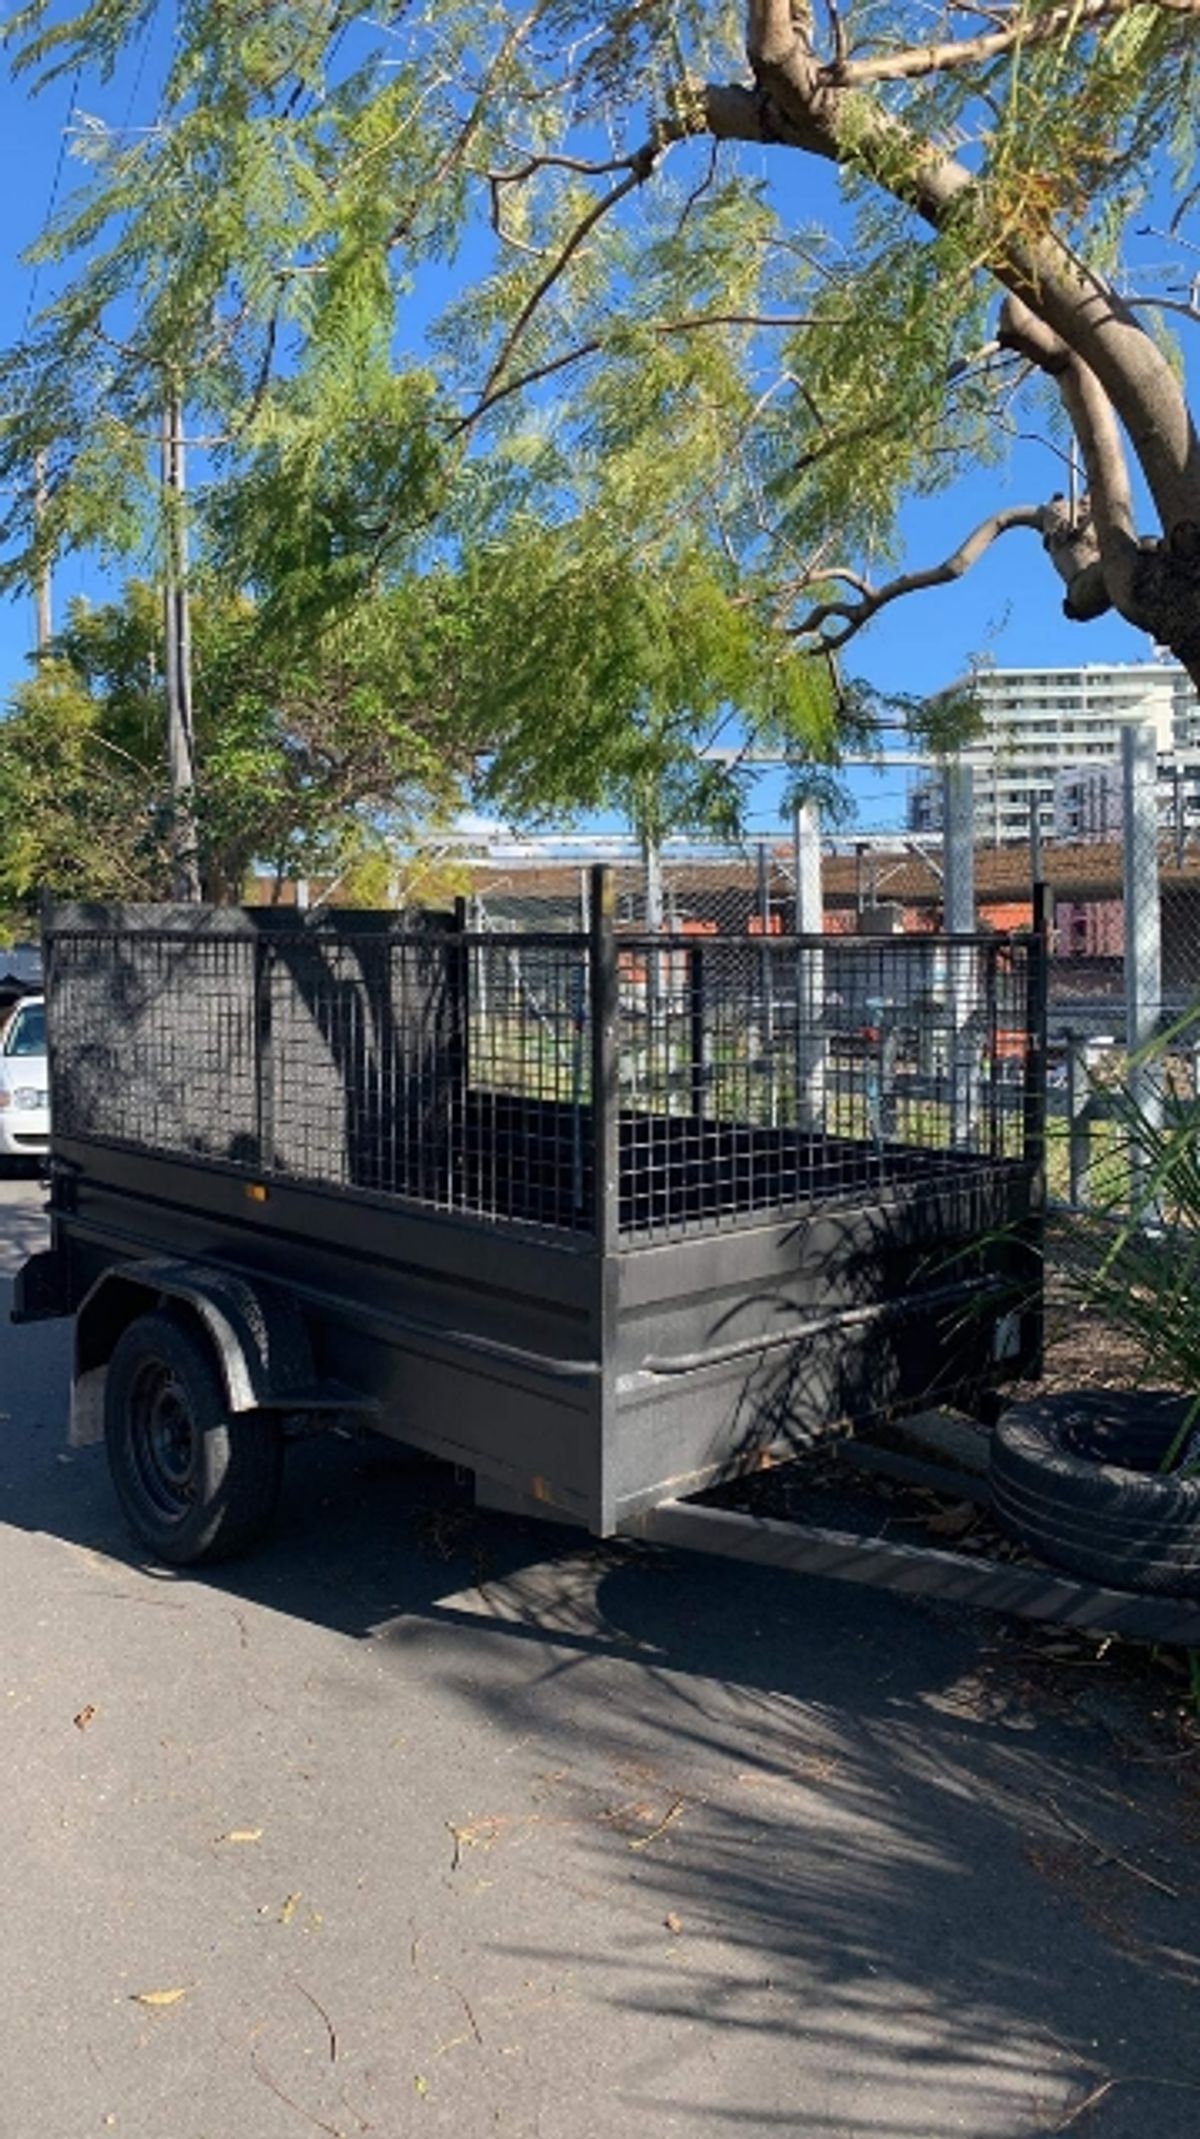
x=24 y=1082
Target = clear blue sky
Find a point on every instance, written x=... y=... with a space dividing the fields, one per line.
x=1007 y=607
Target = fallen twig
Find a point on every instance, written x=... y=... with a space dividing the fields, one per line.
x=1122 y=2079
x=1090 y=2101
x=1105 y=1855
x=643 y=1841
x=319 y=2008
x=466 y=2006
x=260 y=2072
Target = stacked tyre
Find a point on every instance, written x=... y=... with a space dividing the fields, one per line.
x=1078 y=1479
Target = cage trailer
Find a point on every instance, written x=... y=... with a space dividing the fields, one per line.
x=605 y=1217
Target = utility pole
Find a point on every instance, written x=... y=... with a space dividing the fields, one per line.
x=181 y=756
x=44 y=622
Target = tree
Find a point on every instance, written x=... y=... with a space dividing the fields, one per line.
x=311 y=762
x=633 y=361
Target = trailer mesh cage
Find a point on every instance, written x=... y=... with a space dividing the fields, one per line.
x=620 y=1085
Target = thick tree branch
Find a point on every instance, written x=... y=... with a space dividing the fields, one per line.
x=1108 y=531
x=776 y=32
x=797 y=102
x=855 y=614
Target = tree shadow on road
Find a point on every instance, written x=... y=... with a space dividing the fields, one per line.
x=822 y=1857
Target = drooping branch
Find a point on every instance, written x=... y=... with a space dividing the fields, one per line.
x=639 y=170
x=853 y=614
x=1021 y=29
x=579 y=351
x=519 y=31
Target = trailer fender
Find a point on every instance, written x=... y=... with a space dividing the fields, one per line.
x=257 y=1335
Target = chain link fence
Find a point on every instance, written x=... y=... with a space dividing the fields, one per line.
x=1121 y=867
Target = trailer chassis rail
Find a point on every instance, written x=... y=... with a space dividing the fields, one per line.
x=1028 y=1592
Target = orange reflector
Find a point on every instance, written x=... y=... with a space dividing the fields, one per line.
x=256 y=1192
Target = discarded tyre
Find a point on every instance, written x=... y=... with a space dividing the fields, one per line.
x=1077 y=1479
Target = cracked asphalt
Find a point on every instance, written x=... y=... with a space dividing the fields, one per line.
x=425 y=1822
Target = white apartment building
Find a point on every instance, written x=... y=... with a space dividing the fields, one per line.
x=1041 y=724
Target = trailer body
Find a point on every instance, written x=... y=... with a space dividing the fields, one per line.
x=602 y=1217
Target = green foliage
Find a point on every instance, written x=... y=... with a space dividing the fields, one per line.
x=542 y=447
x=943 y=725
x=309 y=759
x=1135 y=1257
x=76 y=801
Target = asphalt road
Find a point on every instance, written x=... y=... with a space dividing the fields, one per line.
x=422 y=1822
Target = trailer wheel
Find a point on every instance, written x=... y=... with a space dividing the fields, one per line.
x=1076 y=1478
x=196 y=1481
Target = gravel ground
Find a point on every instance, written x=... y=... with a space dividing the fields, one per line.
x=1083 y=1350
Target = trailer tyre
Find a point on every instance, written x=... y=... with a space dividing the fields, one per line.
x=196 y=1481
x=1076 y=1478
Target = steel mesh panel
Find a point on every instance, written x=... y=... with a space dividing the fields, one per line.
x=772 y=1074
x=449 y=1071
x=529 y=1131
x=154 y=1042
x=454 y=1070
x=361 y=1063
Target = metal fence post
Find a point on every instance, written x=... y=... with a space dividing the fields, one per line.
x=958 y=816
x=478 y=923
x=1079 y=1121
x=652 y=862
x=458 y=975
x=698 y=1065
x=1034 y=1117
x=1143 y=938
x=606 y=1082
x=767 y=980
x=462 y=997
x=811 y=1045
x=1035 y=1021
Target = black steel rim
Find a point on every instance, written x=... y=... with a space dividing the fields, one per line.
x=163 y=1442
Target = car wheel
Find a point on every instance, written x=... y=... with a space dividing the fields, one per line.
x=1077 y=1479
x=196 y=1481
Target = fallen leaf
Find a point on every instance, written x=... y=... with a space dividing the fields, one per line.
x=668 y=1818
x=421 y=2084
x=672 y=1922
x=86 y=1715
x=953 y=1521
x=477 y=1834
x=289 y=1908
x=242 y=1834
x=159 y=1997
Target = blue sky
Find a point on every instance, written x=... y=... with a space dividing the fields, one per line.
x=1008 y=607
